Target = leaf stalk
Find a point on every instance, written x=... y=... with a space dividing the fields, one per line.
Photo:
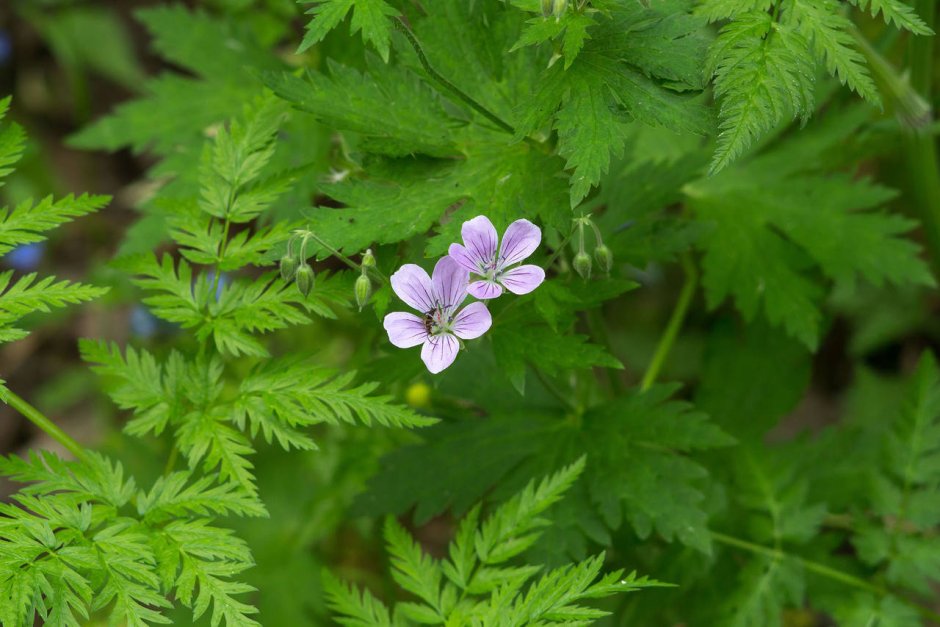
x=821 y=569
x=676 y=321
x=50 y=428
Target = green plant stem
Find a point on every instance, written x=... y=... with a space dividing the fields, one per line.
x=820 y=569
x=548 y=265
x=561 y=247
x=218 y=270
x=675 y=323
x=921 y=150
x=50 y=428
x=449 y=86
x=349 y=262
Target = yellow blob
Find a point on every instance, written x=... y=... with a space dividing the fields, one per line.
x=418 y=395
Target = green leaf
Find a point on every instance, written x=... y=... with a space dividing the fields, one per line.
x=897 y=12
x=25 y=223
x=641 y=469
x=414 y=571
x=752 y=378
x=904 y=489
x=607 y=86
x=208 y=439
x=714 y=10
x=572 y=25
x=823 y=23
x=176 y=110
x=369 y=16
x=418 y=123
x=177 y=495
x=27 y=296
x=590 y=134
x=786 y=230
x=355 y=609
x=767 y=587
x=511 y=529
x=208 y=558
x=769 y=281
x=763 y=75
x=95 y=478
x=12 y=143
x=496 y=445
x=281 y=395
x=877 y=611
x=554 y=596
x=516 y=345
x=131 y=584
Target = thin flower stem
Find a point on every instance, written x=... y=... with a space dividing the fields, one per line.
x=440 y=78
x=561 y=247
x=821 y=569
x=349 y=262
x=675 y=323
x=50 y=428
x=548 y=265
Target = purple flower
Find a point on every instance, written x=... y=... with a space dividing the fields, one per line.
x=440 y=323
x=480 y=256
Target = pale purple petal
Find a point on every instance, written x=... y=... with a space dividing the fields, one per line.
x=405 y=330
x=484 y=289
x=449 y=284
x=464 y=258
x=413 y=285
x=480 y=238
x=439 y=351
x=523 y=279
x=519 y=241
x=472 y=321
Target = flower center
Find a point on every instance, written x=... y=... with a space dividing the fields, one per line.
x=435 y=321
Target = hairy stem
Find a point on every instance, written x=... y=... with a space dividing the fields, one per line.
x=820 y=569
x=50 y=428
x=921 y=151
x=349 y=262
x=449 y=86
x=675 y=323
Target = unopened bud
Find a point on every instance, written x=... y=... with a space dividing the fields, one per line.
x=605 y=261
x=547 y=6
x=363 y=290
x=559 y=7
x=304 y=278
x=368 y=259
x=289 y=265
x=582 y=264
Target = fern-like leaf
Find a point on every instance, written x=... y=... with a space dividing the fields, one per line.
x=369 y=16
